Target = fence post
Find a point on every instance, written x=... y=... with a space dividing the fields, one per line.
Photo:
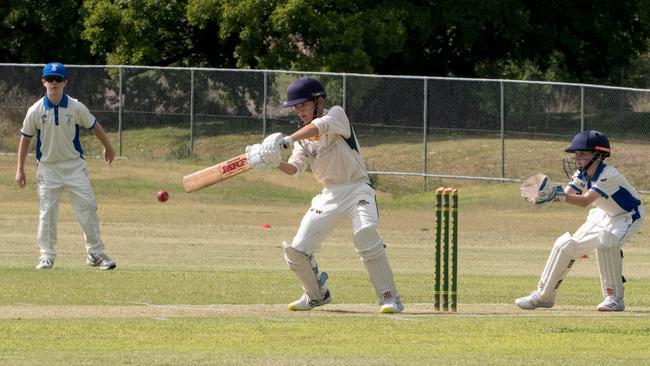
x=345 y=92
x=582 y=107
x=503 y=133
x=424 y=134
x=191 y=147
x=119 y=113
x=264 y=103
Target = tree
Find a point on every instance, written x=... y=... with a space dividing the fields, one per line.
x=42 y=31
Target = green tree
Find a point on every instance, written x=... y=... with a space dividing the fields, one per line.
x=42 y=31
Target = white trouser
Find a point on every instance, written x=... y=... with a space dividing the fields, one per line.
x=52 y=179
x=601 y=232
x=355 y=202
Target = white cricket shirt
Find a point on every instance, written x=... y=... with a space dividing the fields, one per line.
x=335 y=157
x=57 y=128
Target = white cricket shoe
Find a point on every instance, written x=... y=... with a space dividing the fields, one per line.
x=305 y=303
x=45 y=263
x=100 y=260
x=533 y=301
x=391 y=305
x=611 y=303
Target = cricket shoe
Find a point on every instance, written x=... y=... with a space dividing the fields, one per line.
x=391 y=304
x=100 y=260
x=533 y=301
x=611 y=303
x=305 y=303
x=45 y=263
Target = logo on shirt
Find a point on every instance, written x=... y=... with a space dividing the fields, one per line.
x=43 y=118
x=68 y=119
x=314 y=154
x=363 y=203
x=604 y=180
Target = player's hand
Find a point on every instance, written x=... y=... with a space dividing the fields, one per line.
x=254 y=157
x=109 y=155
x=272 y=149
x=538 y=190
x=20 y=178
x=554 y=194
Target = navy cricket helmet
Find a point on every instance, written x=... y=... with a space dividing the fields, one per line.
x=590 y=140
x=303 y=89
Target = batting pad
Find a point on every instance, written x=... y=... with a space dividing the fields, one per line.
x=558 y=265
x=610 y=266
x=301 y=264
x=371 y=250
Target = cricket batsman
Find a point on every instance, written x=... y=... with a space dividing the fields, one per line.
x=326 y=142
x=617 y=215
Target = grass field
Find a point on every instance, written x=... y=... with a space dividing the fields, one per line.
x=199 y=282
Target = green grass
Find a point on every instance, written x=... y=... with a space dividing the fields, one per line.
x=200 y=282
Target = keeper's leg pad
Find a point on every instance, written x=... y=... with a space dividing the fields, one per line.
x=306 y=270
x=371 y=251
x=558 y=265
x=610 y=266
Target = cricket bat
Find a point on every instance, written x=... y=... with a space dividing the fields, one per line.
x=216 y=173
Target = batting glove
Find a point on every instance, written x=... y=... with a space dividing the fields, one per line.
x=254 y=157
x=272 y=149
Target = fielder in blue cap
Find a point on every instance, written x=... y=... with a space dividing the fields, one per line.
x=55 y=120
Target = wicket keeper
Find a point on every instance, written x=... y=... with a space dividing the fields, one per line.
x=617 y=215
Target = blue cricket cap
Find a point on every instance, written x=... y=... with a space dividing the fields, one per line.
x=55 y=69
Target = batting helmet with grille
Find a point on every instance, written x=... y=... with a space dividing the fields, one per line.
x=590 y=140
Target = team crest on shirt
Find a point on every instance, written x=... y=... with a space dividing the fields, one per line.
x=314 y=154
x=68 y=119
x=43 y=118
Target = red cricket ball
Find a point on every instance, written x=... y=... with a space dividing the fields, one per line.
x=163 y=196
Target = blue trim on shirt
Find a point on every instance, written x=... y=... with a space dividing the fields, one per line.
x=596 y=189
x=38 y=145
x=627 y=201
x=47 y=103
x=575 y=188
x=76 y=142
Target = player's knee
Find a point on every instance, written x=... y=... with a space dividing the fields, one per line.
x=368 y=243
x=295 y=258
x=566 y=244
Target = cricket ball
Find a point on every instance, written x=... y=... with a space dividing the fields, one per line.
x=163 y=196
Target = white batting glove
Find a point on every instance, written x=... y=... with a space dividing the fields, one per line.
x=254 y=157
x=272 y=149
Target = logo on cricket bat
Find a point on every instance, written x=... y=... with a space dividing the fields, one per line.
x=234 y=165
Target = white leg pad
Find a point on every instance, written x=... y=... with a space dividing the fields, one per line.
x=304 y=266
x=558 y=265
x=610 y=266
x=371 y=251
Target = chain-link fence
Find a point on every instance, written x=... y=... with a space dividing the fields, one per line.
x=414 y=131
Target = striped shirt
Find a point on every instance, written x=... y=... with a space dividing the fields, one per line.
x=617 y=196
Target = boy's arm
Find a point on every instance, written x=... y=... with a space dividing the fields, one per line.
x=23 y=147
x=109 y=153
